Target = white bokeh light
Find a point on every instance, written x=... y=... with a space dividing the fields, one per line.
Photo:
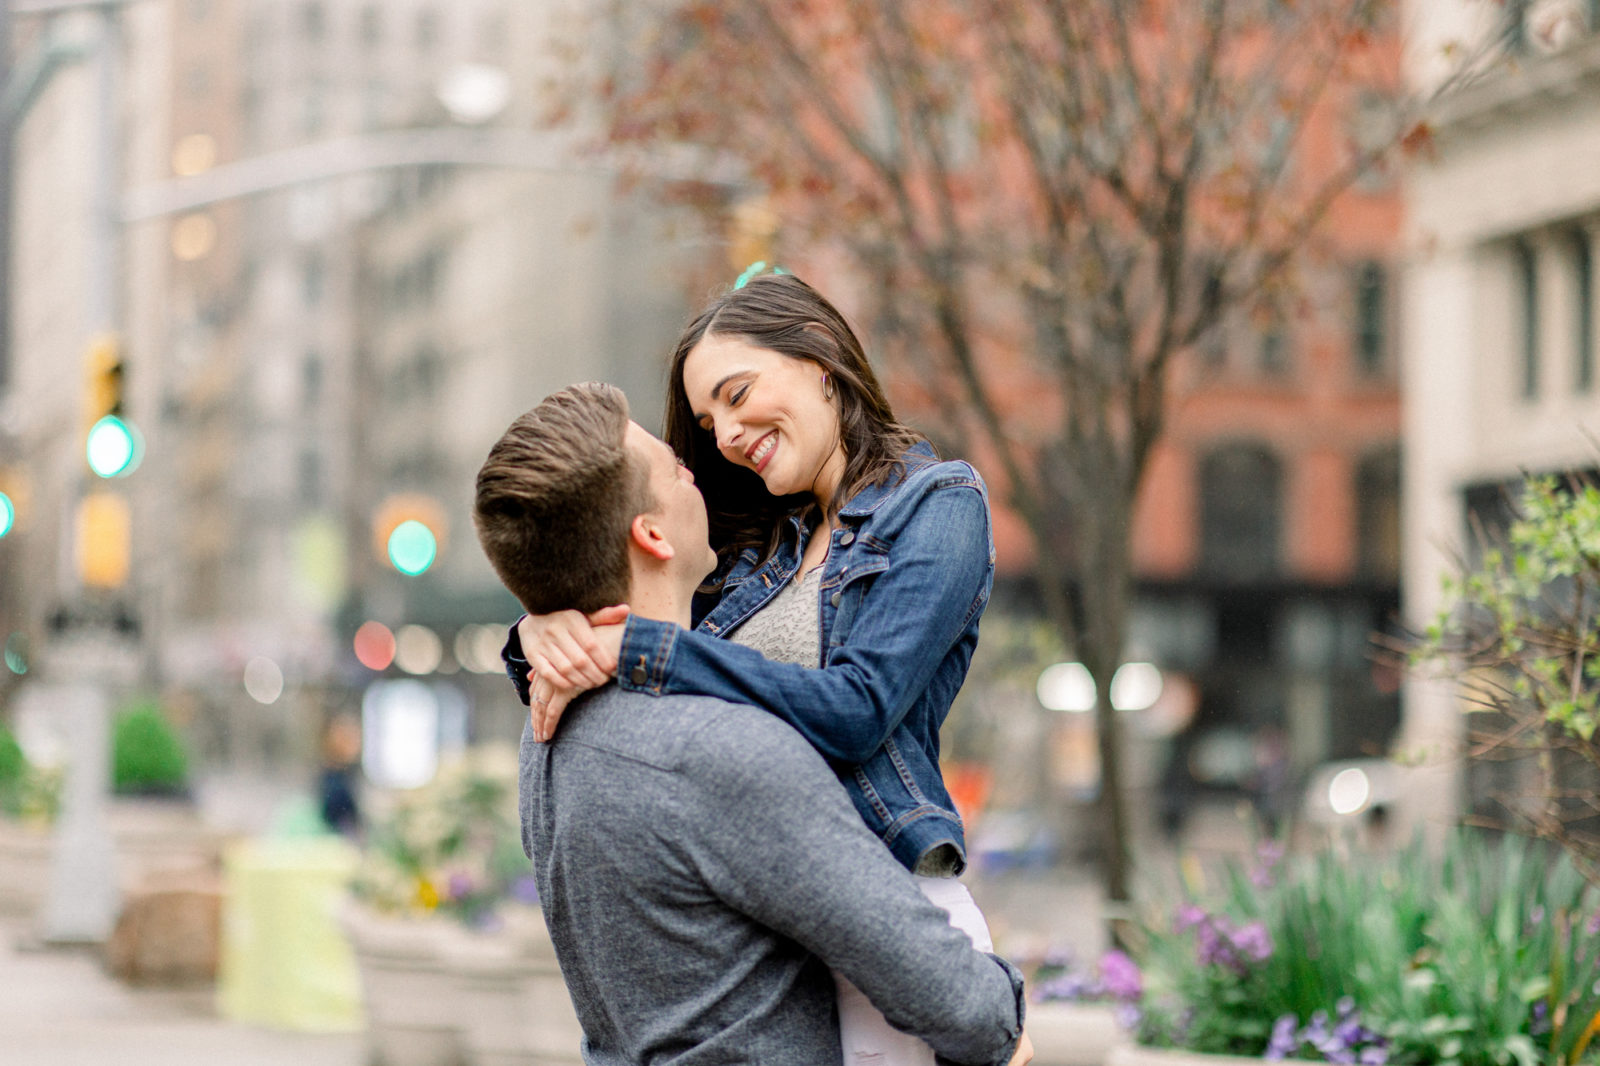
x=263 y=680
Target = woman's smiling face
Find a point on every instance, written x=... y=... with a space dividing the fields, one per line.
x=768 y=413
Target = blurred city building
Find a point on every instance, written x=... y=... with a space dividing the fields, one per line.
x=350 y=257
x=1267 y=532
x=1500 y=303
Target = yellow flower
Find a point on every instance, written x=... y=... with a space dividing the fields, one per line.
x=427 y=895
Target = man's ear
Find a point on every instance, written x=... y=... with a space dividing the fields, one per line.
x=649 y=537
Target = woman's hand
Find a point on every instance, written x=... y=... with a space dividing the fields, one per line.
x=568 y=653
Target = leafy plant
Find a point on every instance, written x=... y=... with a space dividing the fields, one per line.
x=147 y=756
x=1521 y=633
x=453 y=846
x=1485 y=956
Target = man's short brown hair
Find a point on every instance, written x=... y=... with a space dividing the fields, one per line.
x=555 y=500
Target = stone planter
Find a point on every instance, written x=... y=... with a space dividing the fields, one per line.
x=438 y=994
x=152 y=837
x=1134 y=1055
x=517 y=1011
x=409 y=994
x=25 y=851
x=1074 y=1034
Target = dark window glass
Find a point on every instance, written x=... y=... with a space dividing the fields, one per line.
x=1378 y=515
x=1241 y=503
x=1583 y=307
x=1371 y=312
x=1527 y=269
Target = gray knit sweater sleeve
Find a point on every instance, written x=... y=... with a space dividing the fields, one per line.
x=773 y=834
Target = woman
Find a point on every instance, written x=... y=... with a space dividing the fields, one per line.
x=853 y=567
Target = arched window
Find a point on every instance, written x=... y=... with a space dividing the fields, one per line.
x=1241 y=494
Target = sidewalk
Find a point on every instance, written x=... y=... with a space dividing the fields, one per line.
x=58 y=1007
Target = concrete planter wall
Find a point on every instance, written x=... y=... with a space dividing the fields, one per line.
x=1134 y=1055
x=1073 y=1034
x=151 y=838
x=437 y=994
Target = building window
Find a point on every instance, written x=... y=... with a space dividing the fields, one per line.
x=309 y=477
x=313 y=278
x=1378 y=515
x=1582 y=249
x=311 y=379
x=1527 y=272
x=427 y=29
x=1274 y=351
x=371 y=25
x=313 y=21
x=1241 y=506
x=1371 y=324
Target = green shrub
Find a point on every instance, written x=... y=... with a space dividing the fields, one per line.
x=147 y=756
x=13 y=772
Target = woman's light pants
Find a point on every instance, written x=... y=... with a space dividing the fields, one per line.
x=867 y=1038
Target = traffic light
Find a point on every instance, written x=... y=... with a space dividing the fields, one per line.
x=103 y=389
x=113 y=446
x=104 y=540
x=408 y=531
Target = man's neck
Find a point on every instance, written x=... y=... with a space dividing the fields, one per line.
x=660 y=596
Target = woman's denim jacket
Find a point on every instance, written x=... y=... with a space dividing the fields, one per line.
x=907 y=576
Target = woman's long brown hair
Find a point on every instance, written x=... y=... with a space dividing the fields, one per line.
x=781 y=313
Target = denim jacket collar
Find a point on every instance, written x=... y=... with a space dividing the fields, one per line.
x=867 y=500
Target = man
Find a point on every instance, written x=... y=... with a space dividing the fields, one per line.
x=699 y=865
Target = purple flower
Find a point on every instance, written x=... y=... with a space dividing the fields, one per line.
x=1261 y=877
x=1120 y=975
x=1536 y=915
x=1254 y=941
x=1345 y=1008
x=1128 y=1016
x=1374 y=1055
x=1285 y=1038
x=1592 y=927
x=525 y=889
x=1188 y=917
x=1539 y=1022
x=459 y=887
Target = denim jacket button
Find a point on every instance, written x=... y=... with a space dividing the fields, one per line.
x=638 y=675
x=835 y=598
x=848 y=539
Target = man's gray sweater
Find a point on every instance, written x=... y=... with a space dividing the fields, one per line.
x=701 y=869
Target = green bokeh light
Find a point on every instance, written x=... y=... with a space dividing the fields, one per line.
x=412 y=547
x=113 y=447
x=16 y=654
x=8 y=514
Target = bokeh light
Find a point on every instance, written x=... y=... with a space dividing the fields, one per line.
x=418 y=649
x=17 y=654
x=263 y=680
x=412 y=547
x=374 y=646
x=1349 y=791
x=8 y=514
x=113 y=447
x=1066 y=687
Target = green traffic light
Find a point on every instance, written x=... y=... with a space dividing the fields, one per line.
x=113 y=447
x=412 y=547
x=8 y=514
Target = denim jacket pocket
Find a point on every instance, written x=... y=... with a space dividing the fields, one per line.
x=845 y=596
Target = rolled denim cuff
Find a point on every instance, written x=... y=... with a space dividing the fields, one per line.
x=647 y=647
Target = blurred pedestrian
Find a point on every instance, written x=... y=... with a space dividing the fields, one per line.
x=693 y=852
x=852 y=569
x=337 y=780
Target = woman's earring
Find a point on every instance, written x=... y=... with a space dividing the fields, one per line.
x=827 y=387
